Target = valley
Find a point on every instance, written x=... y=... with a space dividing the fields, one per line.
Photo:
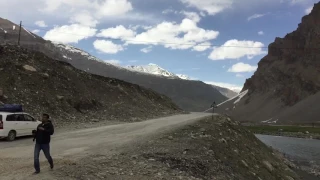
x=145 y=122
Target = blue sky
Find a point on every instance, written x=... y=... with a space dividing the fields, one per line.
x=167 y=32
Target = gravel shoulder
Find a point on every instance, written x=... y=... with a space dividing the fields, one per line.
x=216 y=148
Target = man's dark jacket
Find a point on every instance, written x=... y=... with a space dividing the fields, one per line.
x=44 y=136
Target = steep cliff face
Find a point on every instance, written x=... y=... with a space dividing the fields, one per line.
x=290 y=71
x=285 y=89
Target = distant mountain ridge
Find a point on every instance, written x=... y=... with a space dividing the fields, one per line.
x=157 y=70
x=225 y=91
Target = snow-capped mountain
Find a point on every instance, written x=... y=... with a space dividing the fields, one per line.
x=182 y=76
x=153 y=69
x=70 y=51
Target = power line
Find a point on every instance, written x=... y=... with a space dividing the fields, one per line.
x=149 y=42
x=181 y=44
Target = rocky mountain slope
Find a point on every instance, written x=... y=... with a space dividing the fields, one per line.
x=286 y=85
x=189 y=95
x=70 y=95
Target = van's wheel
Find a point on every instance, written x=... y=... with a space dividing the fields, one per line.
x=11 y=136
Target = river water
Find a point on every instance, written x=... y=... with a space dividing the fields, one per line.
x=303 y=152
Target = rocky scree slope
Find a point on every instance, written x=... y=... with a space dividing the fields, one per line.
x=189 y=95
x=70 y=95
x=218 y=148
x=287 y=77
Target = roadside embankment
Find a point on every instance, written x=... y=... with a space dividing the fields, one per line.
x=217 y=148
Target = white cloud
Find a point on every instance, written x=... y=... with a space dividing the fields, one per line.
x=107 y=47
x=137 y=27
x=169 y=10
x=293 y=2
x=232 y=87
x=41 y=24
x=35 y=31
x=132 y=61
x=235 y=49
x=171 y=35
x=98 y=8
x=69 y=33
x=114 y=8
x=308 y=10
x=239 y=75
x=261 y=33
x=84 y=18
x=192 y=15
x=202 y=46
x=113 y=61
x=118 y=32
x=146 y=49
x=255 y=16
x=242 y=67
x=63 y=11
x=211 y=7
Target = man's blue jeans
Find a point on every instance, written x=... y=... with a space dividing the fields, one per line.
x=46 y=150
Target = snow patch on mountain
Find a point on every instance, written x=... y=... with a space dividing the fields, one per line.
x=182 y=76
x=68 y=50
x=152 y=69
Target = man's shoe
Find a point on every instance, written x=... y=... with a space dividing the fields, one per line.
x=37 y=172
x=51 y=166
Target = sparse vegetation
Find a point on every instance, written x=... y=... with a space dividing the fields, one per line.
x=291 y=131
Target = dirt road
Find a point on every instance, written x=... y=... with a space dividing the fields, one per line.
x=67 y=147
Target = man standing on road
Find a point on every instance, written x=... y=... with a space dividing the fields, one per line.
x=213 y=105
x=43 y=137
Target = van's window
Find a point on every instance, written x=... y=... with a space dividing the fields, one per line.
x=1 y=118
x=28 y=118
x=11 y=118
x=20 y=117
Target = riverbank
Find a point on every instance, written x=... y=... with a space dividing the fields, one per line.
x=303 y=153
x=307 y=132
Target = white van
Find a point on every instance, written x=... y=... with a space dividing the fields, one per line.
x=14 y=125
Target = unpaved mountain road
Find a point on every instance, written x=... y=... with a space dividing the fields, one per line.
x=16 y=158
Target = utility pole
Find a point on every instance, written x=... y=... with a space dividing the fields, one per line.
x=19 y=33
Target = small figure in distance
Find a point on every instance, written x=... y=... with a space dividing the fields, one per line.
x=43 y=136
x=213 y=105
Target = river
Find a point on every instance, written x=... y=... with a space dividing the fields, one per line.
x=303 y=152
